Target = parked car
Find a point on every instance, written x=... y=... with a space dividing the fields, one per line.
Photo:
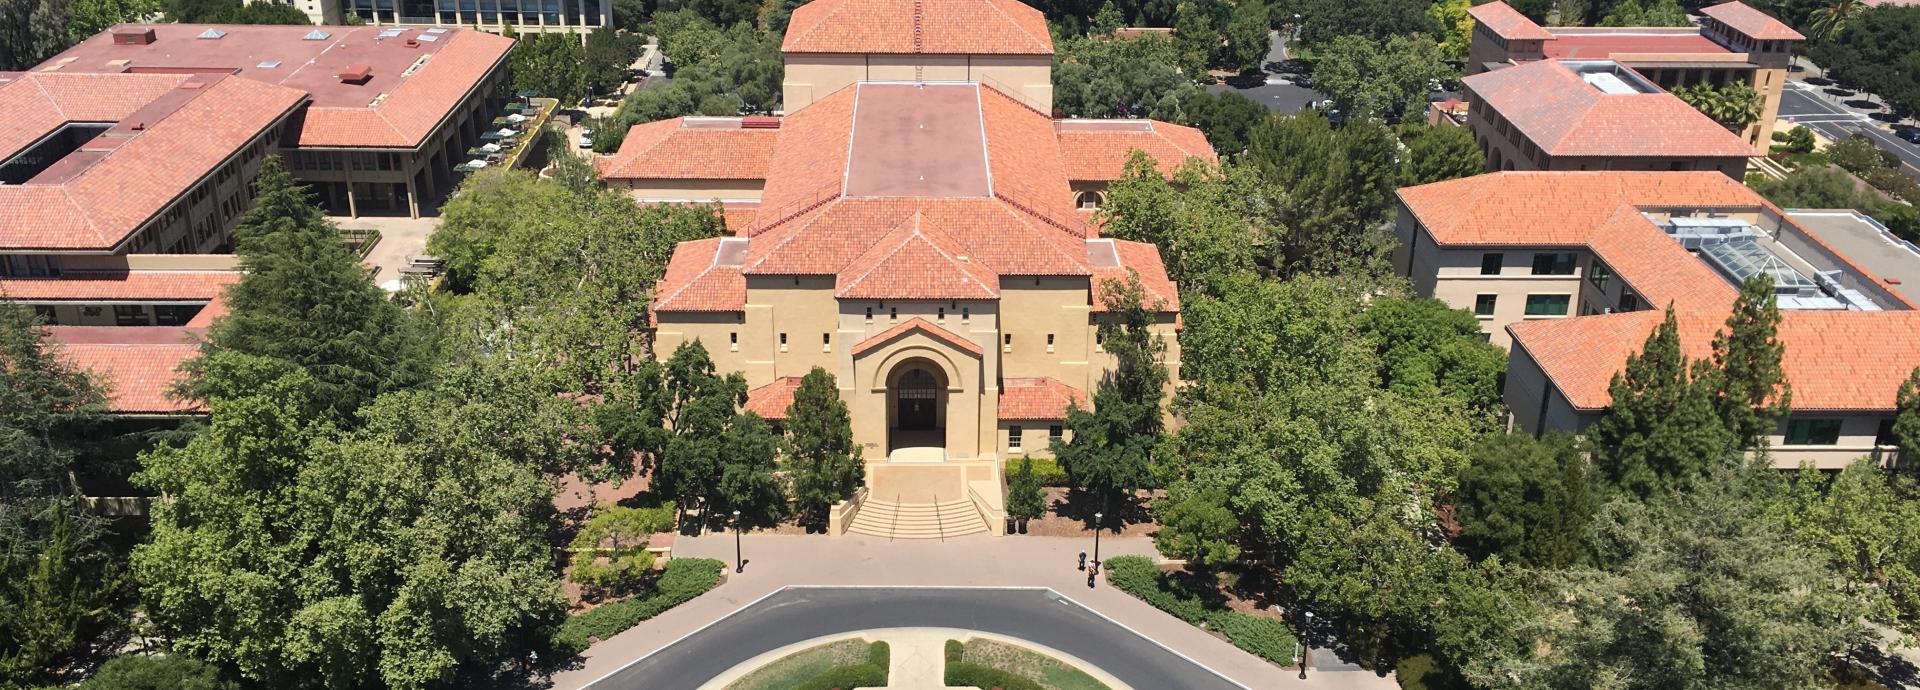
x=1911 y=134
x=586 y=139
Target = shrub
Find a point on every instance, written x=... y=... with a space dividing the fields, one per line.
x=962 y=674
x=955 y=650
x=622 y=566
x=624 y=526
x=683 y=579
x=1025 y=499
x=1047 y=472
x=870 y=674
x=1264 y=637
x=142 y=672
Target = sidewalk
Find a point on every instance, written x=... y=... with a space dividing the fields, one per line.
x=774 y=562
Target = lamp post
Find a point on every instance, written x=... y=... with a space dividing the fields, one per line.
x=1304 y=649
x=1099 y=519
x=738 y=565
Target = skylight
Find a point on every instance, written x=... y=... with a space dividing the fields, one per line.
x=212 y=34
x=316 y=35
x=269 y=64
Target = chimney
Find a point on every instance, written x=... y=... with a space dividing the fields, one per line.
x=356 y=74
x=132 y=36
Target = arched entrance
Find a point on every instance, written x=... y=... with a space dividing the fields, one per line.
x=916 y=405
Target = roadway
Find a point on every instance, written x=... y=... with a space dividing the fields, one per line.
x=1273 y=87
x=1803 y=103
x=799 y=614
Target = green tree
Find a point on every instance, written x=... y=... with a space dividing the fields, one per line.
x=750 y=454
x=550 y=64
x=701 y=404
x=94 y=16
x=1906 y=421
x=1107 y=20
x=1660 y=433
x=304 y=299
x=1750 y=393
x=1437 y=154
x=1528 y=501
x=1133 y=77
x=1826 y=22
x=57 y=578
x=1025 y=498
x=1427 y=347
x=1331 y=191
x=32 y=31
x=1388 y=78
x=1195 y=39
x=1456 y=27
x=822 y=457
x=605 y=59
x=143 y=672
x=1198 y=527
x=409 y=553
x=1198 y=219
x=1814 y=187
x=1735 y=105
x=1878 y=50
x=1112 y=446
x=1225 y=118
x=1246 y=37
x=1376 y=20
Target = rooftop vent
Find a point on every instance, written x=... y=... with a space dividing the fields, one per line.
x=268 y=64
x=316 y=35
x=428 y=38
x=132 y=37
x=356 y=74
x=212 y=34
x=759 y=122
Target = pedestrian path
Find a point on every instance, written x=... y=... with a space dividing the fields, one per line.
x=774 y=562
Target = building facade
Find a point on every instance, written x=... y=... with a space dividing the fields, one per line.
x=831 y=44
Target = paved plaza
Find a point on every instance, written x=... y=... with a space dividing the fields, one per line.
x=776 y=562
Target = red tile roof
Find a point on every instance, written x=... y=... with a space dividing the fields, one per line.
x=121 y=286
x=1565 y=116
x=1039 y=399
x=772 y=401
x=1752 y=22
x=1559 y=208
x=1131 y=258
x=691 y=148
x=1834 y=360
x=1507 y=22
x=916 y=262
x=703 y=275
x=941 y=27
x=418 y=76
x=921 y=325
x=1596 y=44
x=1099 y=149
x=121 y=179
x=137 y=364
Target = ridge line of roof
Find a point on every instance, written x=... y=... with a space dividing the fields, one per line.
x=986 y=151
x=895 y=250
x=1003 y=13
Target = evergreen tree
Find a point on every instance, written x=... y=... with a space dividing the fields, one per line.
x=56 y=578
x=821 y=456
x=700 y=403
x=1112 y=448
x=303 y=299
x=1751 y=391
x=143 y=672
x=1025 y=498
x=750 y=453
x=1332 y=189
x=1107 y=20
x=1661 y=431
x=1435 y=154
x=1906 y=422
x=1528 y=501
x=1194 y=39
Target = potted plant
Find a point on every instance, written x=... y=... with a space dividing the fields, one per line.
x=1025 y=499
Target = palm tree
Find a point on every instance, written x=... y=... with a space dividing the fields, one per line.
x=1734 y=106
x=1826 y=22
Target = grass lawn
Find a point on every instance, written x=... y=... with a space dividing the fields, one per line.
x=799 y=667
x=1050 y=672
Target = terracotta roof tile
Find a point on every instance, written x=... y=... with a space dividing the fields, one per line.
x=1507 y=22
x=1131 y=258
x=138 y=364
x=943 y=27
x=1098 y=150
x=921 y=325
x=1752 y=22
x=916 y=262
x=1559 y=208
x=120 y=286
x=1038 y=399
x=1565 y=116
x=772 y=401
x=703 y=149
x=703 y=275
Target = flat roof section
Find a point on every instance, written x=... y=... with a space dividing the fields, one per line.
x=1596 y=44
x=1868 y=244
x=918 y=140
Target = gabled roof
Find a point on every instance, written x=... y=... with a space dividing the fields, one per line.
x=1507 y=22
x=704 y=275
x=1038 y=399
x=1099 y=149
x=921 y=325
x=1752 y=22
x=122 y=286
x=138 y=364
x=698 y=148
x=916 y=262
x=1119 y=260
x=1565 y=116
x=1540 y=208
x=940 y=27
x=772 y=401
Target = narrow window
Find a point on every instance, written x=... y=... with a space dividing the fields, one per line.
x=893 y=313
x=783 y=342
x=1049 y=342
x=869 y=314
x=1490 y=263
x=1006 y=342
x=1056 y=433
x=1483 y=304
x=965 y=313
x=943 y=315
x=826 y=342
x=1013 y=438
x=1813 y=432
x=733 y=341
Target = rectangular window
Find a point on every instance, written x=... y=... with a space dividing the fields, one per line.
x=46 y=314
x=869 y=314
x=1490 y=263
x=130 y=315
x=173 y=315
x=893 y=313
x=1013 y=438
x=965 y=313
x=826 y=342
x=1813 y=432
x=1883 y=436
x=1547 y=305
x=1599 y=275
x=1056 y=433
x=1554 y=263
x=942 y=315
x=733 y=341
x=1629 y=302
x=1006 y=342
x=1483 y=304
x=783 y=342
x=1049 y=342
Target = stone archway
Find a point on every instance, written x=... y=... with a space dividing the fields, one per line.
x=916 y=405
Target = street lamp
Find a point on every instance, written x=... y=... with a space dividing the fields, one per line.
x=738 y=565
x=1098 y=521
x=1304 y=650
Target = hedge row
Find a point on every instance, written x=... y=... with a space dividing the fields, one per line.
x=1047 y=470
x=683 y=579
x=1265 y=637
x=871 y=674
x=963 y=674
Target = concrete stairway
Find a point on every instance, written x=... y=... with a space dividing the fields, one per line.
x=893 y=520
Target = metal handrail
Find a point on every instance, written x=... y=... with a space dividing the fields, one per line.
x=895 y=527
x=939 y=525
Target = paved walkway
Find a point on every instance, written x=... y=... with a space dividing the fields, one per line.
x=775 y=561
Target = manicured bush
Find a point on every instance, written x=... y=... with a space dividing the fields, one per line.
x=963 y=674
x=144 y=672
x=1025 y=499
x=1048 y=472
x=1264 y=637
x=955 y=650
x=683 y=579
x=871 y=674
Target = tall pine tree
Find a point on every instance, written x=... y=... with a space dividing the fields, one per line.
x=305 y=300
x=1751 y=392
x=821 y=456
x=1661 y=431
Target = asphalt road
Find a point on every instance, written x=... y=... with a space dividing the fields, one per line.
x=1800 y=104
x=1276 y=91
x=797 y=615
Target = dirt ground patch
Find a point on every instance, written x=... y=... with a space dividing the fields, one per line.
x=1070 y=514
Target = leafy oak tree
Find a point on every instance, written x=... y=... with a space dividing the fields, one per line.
x=750 y=454
x=1528 y=501
x=1387 y=78
x=1111 y=450
x=822 y=458
x=1331 y=190
x=1426 y=347
x=1906 y=422
x=1198 y=219
x=699 y=407
x=146 y=672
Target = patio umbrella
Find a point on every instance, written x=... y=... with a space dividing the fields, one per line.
x=516 y=118
x=488 y=148
x=479 y=150
x=477 y=164
x=462 y=168
x=507 y=133
x=492 y=136
x=499 y=120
